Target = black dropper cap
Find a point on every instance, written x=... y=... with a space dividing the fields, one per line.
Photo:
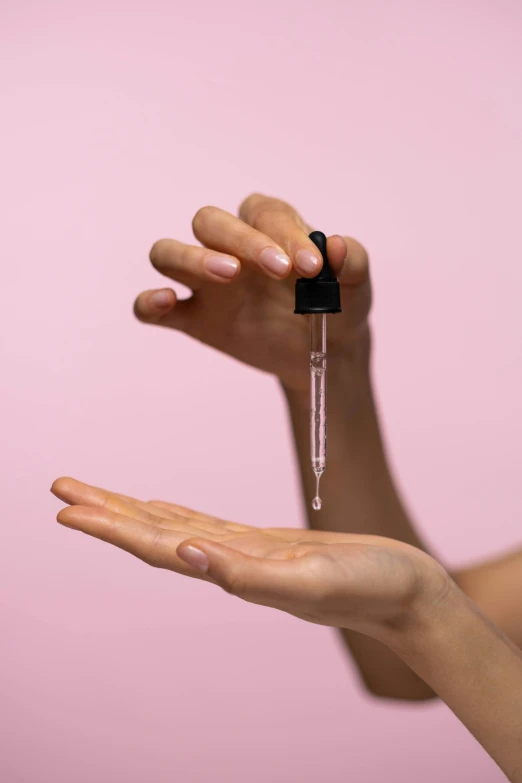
x=320 y=294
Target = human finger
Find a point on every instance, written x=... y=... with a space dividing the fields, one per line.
x=192 y=266
x=355 y=268
x=162 y=307
x=268 y=581
x=153 y=544
x=279 y=220
x=217 y=229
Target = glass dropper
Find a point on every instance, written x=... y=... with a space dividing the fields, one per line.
x=317 y=400
x=316 y=297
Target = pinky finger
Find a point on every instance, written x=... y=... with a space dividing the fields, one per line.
x=152 y=306
x=166 y=310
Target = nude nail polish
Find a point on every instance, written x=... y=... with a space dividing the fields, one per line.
x=307 y=262
x=161 y=299
x=195 y=557
x=222 y=266
x=274 y=261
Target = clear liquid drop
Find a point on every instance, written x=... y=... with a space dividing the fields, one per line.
x=317 y=502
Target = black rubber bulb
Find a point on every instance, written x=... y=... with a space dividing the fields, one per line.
x=319 y=240
x=322 y=293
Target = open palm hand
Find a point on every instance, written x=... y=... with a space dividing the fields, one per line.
x=350 y=581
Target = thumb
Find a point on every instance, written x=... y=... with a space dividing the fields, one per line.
x=255 y=579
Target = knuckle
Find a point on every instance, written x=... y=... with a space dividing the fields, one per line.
x=364 y=257
x=358 y=250
x=234 y=583
x=157 y=252
x=246 y=248
x=265 y=215
x=252 y=206
x=203 y=217
x=250 y=201
x=357 y=258
x=257 y=210
x=363 y=268
x=106 y=501
x=154 y=552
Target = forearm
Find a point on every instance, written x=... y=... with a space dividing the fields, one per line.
x=359 y=495
x=496 y=586
x=474 y=669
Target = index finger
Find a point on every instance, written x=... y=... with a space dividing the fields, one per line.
x=282 y=223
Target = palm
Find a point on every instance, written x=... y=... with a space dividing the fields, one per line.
x=253 y=321
x=383 y=570
x=329 y=578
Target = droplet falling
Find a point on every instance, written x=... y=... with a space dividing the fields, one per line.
x=317 y=502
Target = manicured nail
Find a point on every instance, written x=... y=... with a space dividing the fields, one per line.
x=307 y=261
x=222 y=266
x=273 y=260
x=161 y=298
x=195 y=557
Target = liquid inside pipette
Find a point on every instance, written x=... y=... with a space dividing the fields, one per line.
x=318 y=400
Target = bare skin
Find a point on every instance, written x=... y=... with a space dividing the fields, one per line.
x=249 y=315
x=380 y=588
x=404 y=620
x=157 y=532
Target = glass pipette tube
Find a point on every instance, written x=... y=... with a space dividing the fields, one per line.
x=316 y=297
x=317 y=400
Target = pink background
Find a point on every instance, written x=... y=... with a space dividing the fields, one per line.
x=119 y=120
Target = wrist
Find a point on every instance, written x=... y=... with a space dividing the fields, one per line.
x=473 y=667
x=435 y=604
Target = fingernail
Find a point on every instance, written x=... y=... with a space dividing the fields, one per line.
x=161 y=298
x=307 y=261
x=222 y=266
x=273 y=260
x=194 y=557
